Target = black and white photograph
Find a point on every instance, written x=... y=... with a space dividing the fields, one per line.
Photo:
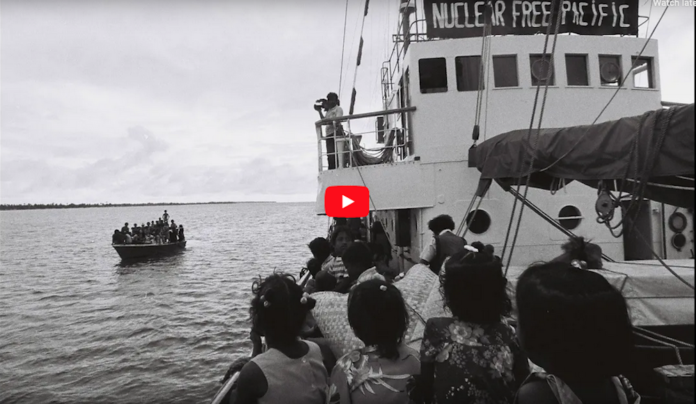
x=347 y=201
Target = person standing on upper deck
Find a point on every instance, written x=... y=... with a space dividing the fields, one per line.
x=333 y=110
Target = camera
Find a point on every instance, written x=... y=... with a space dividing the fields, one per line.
x=319 y=104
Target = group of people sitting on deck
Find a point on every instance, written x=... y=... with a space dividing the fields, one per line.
x=572 y=328
x=160 y=231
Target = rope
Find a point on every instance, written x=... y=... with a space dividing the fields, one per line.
x=485 y=40
x=664 y=264
x=531 y=123
x=633 y=65
x=343 y=48
x=472 y=217
x=461 y=224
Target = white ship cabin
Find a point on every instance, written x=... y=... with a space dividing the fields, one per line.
x=435 y=90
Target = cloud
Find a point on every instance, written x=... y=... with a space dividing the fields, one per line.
x=147 y=101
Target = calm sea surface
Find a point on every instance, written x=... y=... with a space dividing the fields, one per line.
x=78 y=326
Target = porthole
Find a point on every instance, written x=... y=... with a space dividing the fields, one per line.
x=569 y=217
x=677 y=222
x=478 y=221
x=678 y=241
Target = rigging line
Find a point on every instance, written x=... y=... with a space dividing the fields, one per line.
x=550 y=219
x=472 y=217
x=479 y=93
x=461 y=224
x=487 y=83
x=372 y=201
x=343 y=49
x=664 y=264
x=536 y=138
x=619 y=87
x=647 y=29
x=531 y=125
x=357 y=63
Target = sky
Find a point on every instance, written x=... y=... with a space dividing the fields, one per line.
x=125 y=101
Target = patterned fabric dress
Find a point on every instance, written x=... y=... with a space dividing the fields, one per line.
x=474 y=364
x=362 y=377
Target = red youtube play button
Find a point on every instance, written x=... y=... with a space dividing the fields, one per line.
x=347 y=201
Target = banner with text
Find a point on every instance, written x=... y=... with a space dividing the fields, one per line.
x=464 y=19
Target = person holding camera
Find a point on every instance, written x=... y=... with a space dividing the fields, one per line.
x=333 y=130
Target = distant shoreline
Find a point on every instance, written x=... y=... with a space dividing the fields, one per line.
x=36 y=206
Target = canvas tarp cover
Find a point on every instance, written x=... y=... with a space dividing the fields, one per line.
x=657 y=147
x=654 y=296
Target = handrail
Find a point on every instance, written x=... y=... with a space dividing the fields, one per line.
x=225 y=389
x=672 y=104
x=328 y=121
x=220 y=395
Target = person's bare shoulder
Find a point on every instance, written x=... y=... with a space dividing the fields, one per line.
x=536 y=392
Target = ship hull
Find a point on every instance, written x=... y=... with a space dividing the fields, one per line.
x=131 y=251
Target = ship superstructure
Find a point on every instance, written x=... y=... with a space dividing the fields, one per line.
x=436 y=91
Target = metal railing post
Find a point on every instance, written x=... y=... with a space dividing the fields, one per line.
x=319 y=139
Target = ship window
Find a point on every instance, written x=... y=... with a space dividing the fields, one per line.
x=569 y=217
x=478 y=221
x=468 y=72
x=505 y=71
x=433 y=75
x=576 y=70
x=541 y=67
x=642 y=72
x=610 y=70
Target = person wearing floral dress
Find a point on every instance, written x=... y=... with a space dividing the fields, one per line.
x=576 y=326
x=473 y=357
x=379 y=372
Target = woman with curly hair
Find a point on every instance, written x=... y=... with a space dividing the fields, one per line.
x=472 y=357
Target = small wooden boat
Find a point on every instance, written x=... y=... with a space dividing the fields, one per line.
x=129 y=251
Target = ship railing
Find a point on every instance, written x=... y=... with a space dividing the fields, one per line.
x=389 y=128
x=229 y=383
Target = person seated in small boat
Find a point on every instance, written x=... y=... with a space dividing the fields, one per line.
x=443 y=244
x=472 y=357
x=291 y=371
x=341 y=238
x=125 y=229
x=358 y=262
x=181 y=233
x=379 y=372
x=581 y=254
x=576 y=326
x=118 y=237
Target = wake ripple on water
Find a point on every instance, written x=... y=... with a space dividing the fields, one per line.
x=77 y=325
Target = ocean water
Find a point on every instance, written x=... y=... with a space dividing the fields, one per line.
x=79 y=326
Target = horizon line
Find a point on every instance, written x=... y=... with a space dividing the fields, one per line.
x=53 y=205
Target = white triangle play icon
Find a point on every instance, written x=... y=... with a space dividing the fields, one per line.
x=346 y=201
